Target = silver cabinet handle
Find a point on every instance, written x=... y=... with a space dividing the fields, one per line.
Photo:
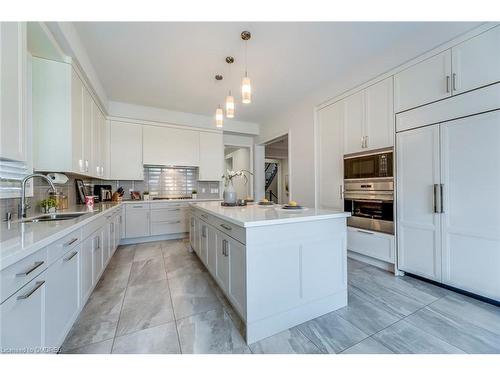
x=71 y=256
x=435 y=198
x=29 y=270
x=136 y=206
x=27 y=295
x=174 y=222
x=204 y=231
x=341 y=192
x=224 y=248
x=364 y=231
x=204 y=216
x=112 y=228
x=70 y=242
x=454 y=81
x=86 y=165
x=362 y=141
x=227 y=227
x=174 y=209
x=192 y=222
x=366 y=141
x=447 y=83
x=441 y=197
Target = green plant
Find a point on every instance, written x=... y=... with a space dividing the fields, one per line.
x=194 y=191
x=146 y=193
x=48 y=203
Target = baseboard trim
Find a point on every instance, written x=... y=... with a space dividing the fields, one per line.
x=163 y=237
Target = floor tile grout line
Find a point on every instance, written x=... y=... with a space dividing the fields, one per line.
x=308 y=339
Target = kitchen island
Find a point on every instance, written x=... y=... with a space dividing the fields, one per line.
x=278 y=268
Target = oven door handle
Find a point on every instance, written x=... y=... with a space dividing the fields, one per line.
x=368 y=201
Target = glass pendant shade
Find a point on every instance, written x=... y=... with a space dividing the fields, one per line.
x=230 y=106
x=219 y=117
x=246 y=90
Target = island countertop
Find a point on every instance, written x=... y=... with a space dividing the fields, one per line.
x=255 y=215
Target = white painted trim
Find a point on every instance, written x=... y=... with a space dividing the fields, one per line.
x=161 y=124
x=443 y=47
x=163 y=237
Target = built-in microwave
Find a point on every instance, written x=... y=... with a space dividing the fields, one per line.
x=369 y=165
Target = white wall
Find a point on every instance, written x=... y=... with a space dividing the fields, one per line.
x=241 y=160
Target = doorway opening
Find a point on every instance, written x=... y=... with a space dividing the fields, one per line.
x=276 y=170
x=237 y=158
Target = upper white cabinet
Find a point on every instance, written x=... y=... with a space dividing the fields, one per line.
x=67 y=128
x=13 y=134
x=171 y=146
x=354 y=122
x=476 y=62
x=369 y=118
x=125 y=146
x=330 y=156
x=425 y=82
x=379 y=115
x=211 y=156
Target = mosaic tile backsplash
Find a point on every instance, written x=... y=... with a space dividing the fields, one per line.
x=168 y=182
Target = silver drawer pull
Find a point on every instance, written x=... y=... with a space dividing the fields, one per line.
x=227 y=227
x=68 y=258
x=137 y=206
x=27 y=295
x=204 y=216
x=174 y=222
x=70 y=242
x=28 y=271
x=364 y=231
x=174 y=209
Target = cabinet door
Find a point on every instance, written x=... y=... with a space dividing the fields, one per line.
x=379 y=110
x=22 y=318
x=192 y=232
x=330 y=156
x=354 y=119
x=137 y=223
x=62 y=297
x=222 y=261
x=13 y=134
x=104 y=146
x=211 y=157
x=418 y=226
x=212 y=250
x=87 y=131
x=116 y=231
x=96 y=141
x=77 y=89
x=107 y=241
x=126 y=151
x=97 y=256
x=237 y=275
x=203 y=253
x=86 y=265
x=476 y=62
x=171 y=146
x=423 y=83
x=470 y=167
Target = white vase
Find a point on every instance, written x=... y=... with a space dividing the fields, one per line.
x=229 y=193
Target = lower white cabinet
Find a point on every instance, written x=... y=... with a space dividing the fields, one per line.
x=62 y=297
x=22 y=318
x=222 y=254
x=203 y=242
x=138 y=220
x=86 y=266
x=212 y=249
x=237 y=274
x=192 y=232
x=373 y=244
x=97 y=255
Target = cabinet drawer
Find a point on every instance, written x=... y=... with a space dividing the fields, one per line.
x=168 y=214
x=162 y=205
x=62 y=246
x=16 y=276
x=232 y=230
x=169 y=227
x=137 y=206
x=372 y=244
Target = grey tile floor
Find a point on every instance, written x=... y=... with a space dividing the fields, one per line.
x=158 y=298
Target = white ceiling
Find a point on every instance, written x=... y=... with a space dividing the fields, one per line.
x=172 y=65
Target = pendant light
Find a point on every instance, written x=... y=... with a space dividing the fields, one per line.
x=219 y=117
x=246 y=87
x=229 y=97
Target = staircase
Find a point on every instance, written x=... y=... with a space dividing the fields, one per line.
x=271 y=170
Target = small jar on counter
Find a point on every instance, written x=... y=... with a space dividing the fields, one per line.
x=61 y=200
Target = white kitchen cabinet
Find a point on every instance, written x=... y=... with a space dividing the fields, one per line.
x=117 y=220
x=237 y=274
x=470 y=167
x=171 y=146
x=97 y=255
x=192 y=233
x=62 y=297
x=88 y=141
x=212 y=249
x=211 y=157
x=22 y=320
x=137 y=220
x=379 y=115
x=476 y=62
x=222 y=261
x=125 y=151
x=418 y=223
x=96 y=141
x=373 y=244
x=423 y=83
x=203 y=253
x=13 y=129
x=86 y=266
x=77 y=95
x=354 y=122
x=330 y=156
x=107 y=241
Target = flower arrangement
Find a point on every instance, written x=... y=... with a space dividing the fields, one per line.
x=228 y=177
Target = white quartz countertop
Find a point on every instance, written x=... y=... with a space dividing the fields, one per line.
x=154 y=201
x=19 y=240
x=254 y=215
